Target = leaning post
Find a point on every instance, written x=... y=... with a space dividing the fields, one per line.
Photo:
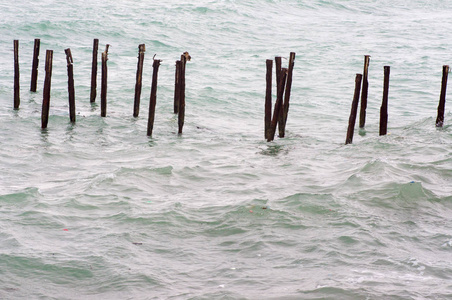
x=442 y=98
x=354 y=110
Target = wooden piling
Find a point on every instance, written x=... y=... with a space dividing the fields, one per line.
x=354 y=110
x=177 y=87
x=34 y=68
x=384 y=104
x=136 y=104
x=46 y=92
x=278 y=104
x=70 y=84
x=153 y=99
x=94 y=72
x=283 y=115
x=103 y=91
x=268 y=99
x=278 y=66
x=16 y=75
x=442 y=98
x=362 y=114
x=181 y=116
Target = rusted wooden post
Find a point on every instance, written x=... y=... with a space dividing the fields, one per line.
x=177 y=87
x=16 y=75
x=70 y=84
x=153 y=99
x=46 y=92
x=278 y=105
x=442 y=98
x=362 y=114
x=103 y=91
x=354 y=110
x=283 y=115
x=92 y=97
x=136 y=103
x=34 y=68
x=384 y=104
x=181 y=116
x=268 y=99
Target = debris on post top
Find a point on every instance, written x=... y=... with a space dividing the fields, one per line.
x=70 y=82
x=16 y=75
x=362 y=114
x=442 y=98
x=354 y=110
x=34 y=68
x=138 y=84
x=384 y=104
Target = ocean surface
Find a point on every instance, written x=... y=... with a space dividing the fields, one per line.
x=99 y=210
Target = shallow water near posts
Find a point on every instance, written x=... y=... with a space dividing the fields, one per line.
x=99 y=210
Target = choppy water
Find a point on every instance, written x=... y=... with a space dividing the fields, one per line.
x=98 y=210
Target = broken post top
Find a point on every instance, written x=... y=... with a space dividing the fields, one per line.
x=69 y=59
x=141 y=48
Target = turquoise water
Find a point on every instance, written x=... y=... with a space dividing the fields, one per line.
x=98 y=210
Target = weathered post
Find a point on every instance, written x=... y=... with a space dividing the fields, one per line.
x=153 y=99
x=283 y=116
x=94 y=72
x=442 y=98
x=136 y=103
x=34 y=68
x=268 y=99
x=103 y=91
x=278 y=105
x=384 y=104
x=177 y=87
x=362 y=114
x=46 y=92
x=70 y=84
x=278 y=66
x=354 y=110
x=181 y=118
x=16 y=75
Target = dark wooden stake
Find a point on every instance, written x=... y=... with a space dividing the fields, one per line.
x=278 y=65
x=34 y=68
x=94 y=72
x=103 y=91
x=268 y=99
x=362 y=114
x=442 y=98
x=181 y=117
x=278 y=105
x=136 y=104
x=283 y=115
x=153 y=99
x=384 y=104
x=70 y=84
x=16 y=75
x=46 y=92
x=354 y=110
x=177 y=87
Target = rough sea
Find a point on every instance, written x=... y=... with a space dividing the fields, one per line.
x=99 y=210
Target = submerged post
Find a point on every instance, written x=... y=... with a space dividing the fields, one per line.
x=16 y=75
x=153 y=99
x=354 y=110
x=136 y=103
x=384 y=104
x=103 y=91
x=268 y=99
x=34 y=68
x=46 y=92
x=92 y=97
x=362 y=114
x=70 y=84
x=285 y=110
x=278 y=105
x=177 y=87
x=442 y=98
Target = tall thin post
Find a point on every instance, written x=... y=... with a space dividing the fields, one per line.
x=46 y=92
x=354 y=110
x=362 y=114
x=384 y=104
x=16 y=75
x=181 y=117
x=442 y=98
x=283 y=116
x=136 y=104
x=268 y=99
x=153 y=99
x=278 y=105
x=103 y=91
x=177 y=87
x=70 y=84
x=34 y=68
x=92 y=97
x=278 y=66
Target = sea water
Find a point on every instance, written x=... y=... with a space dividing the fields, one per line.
x=98 y=210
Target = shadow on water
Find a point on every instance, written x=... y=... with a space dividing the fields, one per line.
x=273 y=149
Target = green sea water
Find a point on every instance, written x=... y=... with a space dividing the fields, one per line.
x=98 y=210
